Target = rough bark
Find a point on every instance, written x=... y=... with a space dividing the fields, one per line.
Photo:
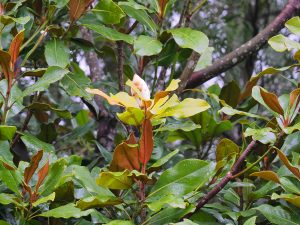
x=253 y=45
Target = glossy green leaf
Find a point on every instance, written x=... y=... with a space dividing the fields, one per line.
x=85 y=178
x=163 y=160
x=184 y=222
x=97 y=201
x=188 y=38
x=187 y=108
x=278 y=215
x=10 y=177
x=120 y=222
x=62 y=113
x=205 y=59
x=231 y=112
x=132 y=116
x=230 y=93
x=52 y=74
x=140 y=15
x=6 y=20
x=7 y=132
x=293 y=199
x=109 y=33
x=264 y=135
x=53 y=178
x=183 y=178
x=147 y=46
x=108 y=12
x=115 y=180
x=170 y=215
x=50 y=197
x=281 y=43
x=293 y=25
x=226 y=149
x=6 y=199
x=34 y=144
x=171 y=200
x=57 y=53
x=179 y=125
x=66 y=211
x=251 y=221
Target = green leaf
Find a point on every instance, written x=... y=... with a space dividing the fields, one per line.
x=264 y=135
x=7 y=132
x=281 y=43
x=231 y=112
x=226 y=149
x=5 y=151
x=104 y=152
x=140 y=15
x=108 y=12
x=115 y=180
x=6 y=199
x=188 y=38
x=293 y=199
x=147 y=46
x=132 y=116
x=251 y=221
x=184 y=177
x=120 y=222
x=57 y=53
x=50 y=197
x=291 y=129
x=230 y=93
x=85 y=178
x=75 y=84
x=66 y=211
x=278 y=215
x=10 y=178
x=169 y=215
x=97 y=201
x=6 y=20
x=205 y=59
x=187 y=108
x=184 y=222
x=293 y=25
x=171 y=200
x=34 y=144
x=53 y=178
x=163 y=160
x=62 y=113
x=52 y=74
x=110 y=33
x=179 y=125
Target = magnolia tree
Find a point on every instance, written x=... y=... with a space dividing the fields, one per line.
x=100 y=124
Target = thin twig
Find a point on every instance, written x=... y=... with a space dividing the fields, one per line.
x=120 y=49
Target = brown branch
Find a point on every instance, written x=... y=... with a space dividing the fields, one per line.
x=225 y=179
x=120 y=49
x=253 y=45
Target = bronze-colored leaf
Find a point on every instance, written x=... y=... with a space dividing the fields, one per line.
x=267 y=175
x=78 y=8
x=162 y=7
x=126 y=156
x=5 y=65
x=272 y=101
x=43 y=172
x=146 y=142
x=34 y=163
x=294 y=95
x=287 y=163
x=14 y=50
